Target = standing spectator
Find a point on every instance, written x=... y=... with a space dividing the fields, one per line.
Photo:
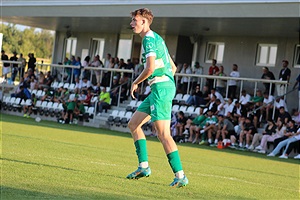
x=220 y=86
x=232 y=84
x=14 y=71
x=269 y=76
x=298 y=83
x=185 y=79
x=213 y=69
x=97 y=63
x=6 y=66
x=31 y=62
x=22 y=66
x=284 y=75
x=85 y=72
x=77 y=70
x=198 y=70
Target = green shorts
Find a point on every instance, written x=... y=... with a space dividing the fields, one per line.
x=159 y=102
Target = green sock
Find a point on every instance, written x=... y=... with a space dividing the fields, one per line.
x=141 y=150
x=174 y=160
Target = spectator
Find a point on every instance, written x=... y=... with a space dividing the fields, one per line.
x=224 y=129
x=31 y=62
x=213 y=69
x=28 y=108
x=232 y=84
x=185 y=79
x=6 y=66
x=98 y=64
x=22 y=66
x=181 y=122
x=245 y=98
x=70 y=111
x=196 y=99
x=290 y=130
x=267 y=105
x=210 y=128
x=269 y=130
x=49 y=79
x=114 y=92
x=294 y=137
x=197 y=70
x=67 y=70
x=89 y=97
x=247 y=132
x=14 y=71
x=86 y=72
x=283 y=115
x=221 y=84
x=84 y=84
x=138 y=68
x=298 y=83
x=284 y=75
x=77 y=71
x=269 y=76
x=104 y=100
x=217 y=94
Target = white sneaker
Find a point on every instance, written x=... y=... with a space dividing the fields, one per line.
x=258 y=148
x=99 y=114
x=271 y=155
x=70 y=122
x=194 y=141
x=283 y=156
x=251 y=147
x=262 y=151
x=186 y=132
x=297 y=157
x=202 y=131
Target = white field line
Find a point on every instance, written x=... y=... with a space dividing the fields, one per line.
x=244 y=181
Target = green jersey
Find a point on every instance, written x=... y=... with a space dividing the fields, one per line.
x=154 y=45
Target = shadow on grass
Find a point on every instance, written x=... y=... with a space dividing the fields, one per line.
x=92 y=130
x=15 y=194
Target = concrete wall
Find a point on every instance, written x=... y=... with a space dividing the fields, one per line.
x=242 y=51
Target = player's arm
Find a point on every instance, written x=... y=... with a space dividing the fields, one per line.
x=174 y=68
x=148 y=70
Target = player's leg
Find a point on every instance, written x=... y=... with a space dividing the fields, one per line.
x=170 y=147
x=135 y=125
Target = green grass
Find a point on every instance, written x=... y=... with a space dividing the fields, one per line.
x=47 y=160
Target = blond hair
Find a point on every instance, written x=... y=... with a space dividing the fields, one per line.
x=144 y=12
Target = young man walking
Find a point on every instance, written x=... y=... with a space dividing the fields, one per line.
x=159 y=70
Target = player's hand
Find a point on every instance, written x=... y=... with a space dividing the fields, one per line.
x=133 y=89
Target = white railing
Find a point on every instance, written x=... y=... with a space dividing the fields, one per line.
x=239 y=80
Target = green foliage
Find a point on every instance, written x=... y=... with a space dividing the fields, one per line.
x=48 y=160
x=27 y=41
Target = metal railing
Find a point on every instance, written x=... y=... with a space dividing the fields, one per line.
x=240 y=81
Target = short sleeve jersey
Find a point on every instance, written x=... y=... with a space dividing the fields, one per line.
x=154 y=45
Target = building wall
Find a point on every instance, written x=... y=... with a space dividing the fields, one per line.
x=242 y=51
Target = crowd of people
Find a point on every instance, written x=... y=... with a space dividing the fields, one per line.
x=233 y=120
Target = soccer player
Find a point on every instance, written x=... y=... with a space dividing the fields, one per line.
x=159 y=70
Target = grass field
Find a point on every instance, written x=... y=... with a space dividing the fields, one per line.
x=47 y=160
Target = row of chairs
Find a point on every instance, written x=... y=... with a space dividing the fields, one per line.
x=56 y=85
x=180 y=99
x=119 y=118
x=43 y=107
x=189 y=111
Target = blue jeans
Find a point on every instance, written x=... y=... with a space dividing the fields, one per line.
x=193 y=100
x=282 y=144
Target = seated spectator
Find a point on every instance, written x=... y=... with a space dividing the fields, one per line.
x=114 y=93
x=81 y=96
x=238 y=129
x=77 y=84
x=267 y=105
x=89 y=97
x=104 y=100
x=79 y=109
x=296 y=116
x=181 y=122
x=229 y=105
x=194 y=127
x=224 y=129
x=220 y=108
x=269 y=130
x=84 y=84
x=70 y=110
x=49 y=79
x=28 y=108
x=49 y=95
x=283 y=115
x=247 y=132
x=290 y=130
x=217 y=94
x=293 y=137
x=212 y=106
x=196 y=99
x=245 y=98
x=238 y=111
x=22 y=93
x=210 y=128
